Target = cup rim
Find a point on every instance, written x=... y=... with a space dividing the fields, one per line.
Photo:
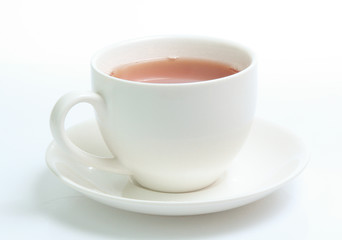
x=239 y=46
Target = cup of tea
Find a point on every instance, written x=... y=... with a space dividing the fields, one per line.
x=173 y=110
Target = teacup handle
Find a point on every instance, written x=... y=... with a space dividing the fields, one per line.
x=57 y=121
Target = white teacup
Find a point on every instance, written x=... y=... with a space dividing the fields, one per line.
x=175 y=137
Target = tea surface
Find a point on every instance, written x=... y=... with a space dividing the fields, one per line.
x=173 y=70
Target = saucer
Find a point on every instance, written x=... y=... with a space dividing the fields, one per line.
x=271 y=157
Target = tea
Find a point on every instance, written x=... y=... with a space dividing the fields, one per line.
x=173 y=70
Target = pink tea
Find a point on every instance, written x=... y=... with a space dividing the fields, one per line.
x=173 y=70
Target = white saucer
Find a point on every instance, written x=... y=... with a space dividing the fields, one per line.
x=270 y=158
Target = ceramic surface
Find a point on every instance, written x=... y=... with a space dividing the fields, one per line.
x=170 y=137
x=270 y=158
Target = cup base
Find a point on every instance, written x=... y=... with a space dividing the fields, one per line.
x=174 y=189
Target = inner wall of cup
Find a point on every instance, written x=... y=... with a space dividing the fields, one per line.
x=139 y=50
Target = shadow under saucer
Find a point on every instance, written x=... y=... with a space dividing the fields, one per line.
x=67 y=207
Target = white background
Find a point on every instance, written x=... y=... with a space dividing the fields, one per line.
x=45 y=49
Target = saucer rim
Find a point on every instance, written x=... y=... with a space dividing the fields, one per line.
x=303 y=161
